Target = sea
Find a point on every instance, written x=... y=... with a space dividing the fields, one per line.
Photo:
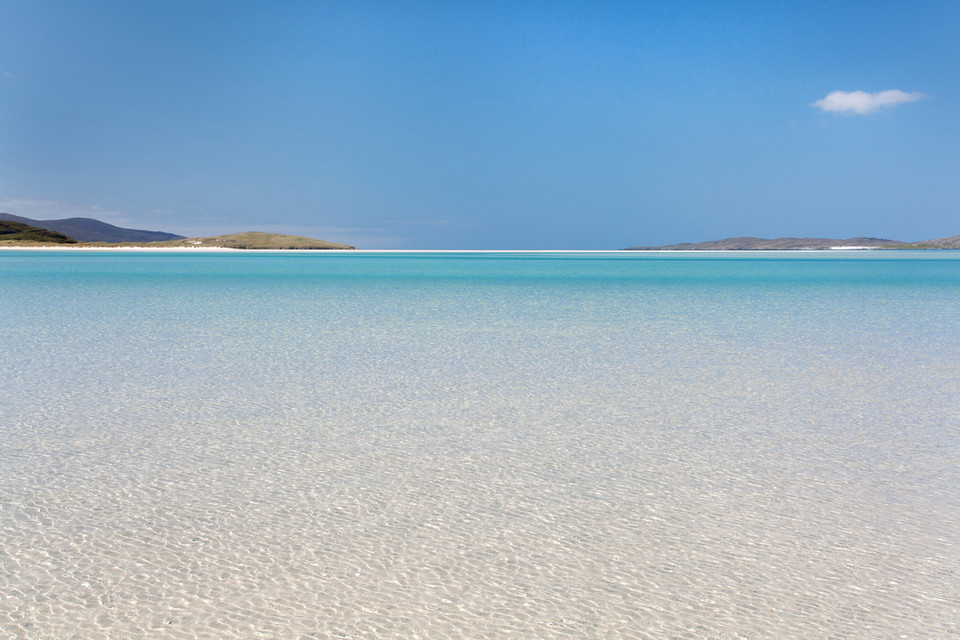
x=314 y=445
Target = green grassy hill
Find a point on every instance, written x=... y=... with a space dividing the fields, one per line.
x=253 y=240
x=19 y=233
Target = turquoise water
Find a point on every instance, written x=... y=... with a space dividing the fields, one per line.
x=502 y=445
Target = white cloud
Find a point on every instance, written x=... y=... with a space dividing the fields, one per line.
x=862 y=102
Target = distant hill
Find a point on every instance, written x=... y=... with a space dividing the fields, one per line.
x=17 y=232
x=255 y=240
x=953 y=242
x=90 y=230
x=96 y=233
x=760 y=244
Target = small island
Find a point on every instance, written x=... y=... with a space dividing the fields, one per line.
x=245 y=240
x=803 y=244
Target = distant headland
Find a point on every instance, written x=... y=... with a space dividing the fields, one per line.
x=17 y=231
x=88 y=232
x=785 y=244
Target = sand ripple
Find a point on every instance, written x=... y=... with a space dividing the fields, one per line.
x=494 y=465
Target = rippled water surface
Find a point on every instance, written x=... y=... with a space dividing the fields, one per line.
x=586 y=445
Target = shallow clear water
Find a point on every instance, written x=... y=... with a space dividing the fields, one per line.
x=480 y=445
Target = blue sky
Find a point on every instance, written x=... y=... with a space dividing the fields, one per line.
x=509 y=125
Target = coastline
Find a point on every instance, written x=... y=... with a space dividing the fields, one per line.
x=164 y=249
x=143 y=249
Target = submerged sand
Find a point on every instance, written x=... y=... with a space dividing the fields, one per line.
x=394 y=458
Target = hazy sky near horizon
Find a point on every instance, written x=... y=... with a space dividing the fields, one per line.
x=485 y=125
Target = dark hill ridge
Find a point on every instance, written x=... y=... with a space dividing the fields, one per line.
x=763 y=244
x=16 y=233
x=90 y=230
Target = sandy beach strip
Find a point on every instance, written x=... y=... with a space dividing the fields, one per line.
x=141 y=249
